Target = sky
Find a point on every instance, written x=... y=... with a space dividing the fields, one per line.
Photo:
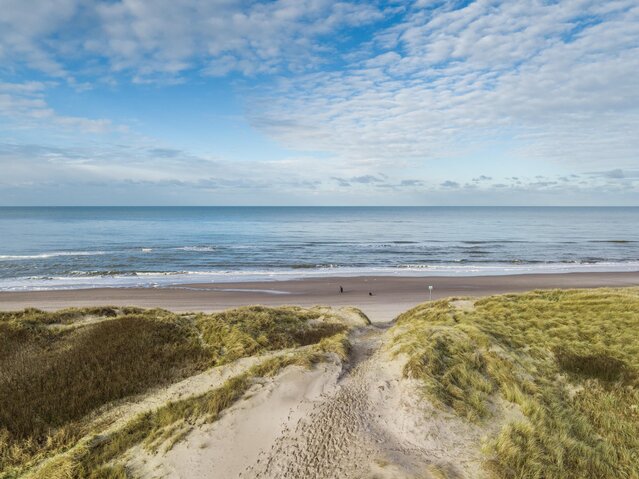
x=317 y=102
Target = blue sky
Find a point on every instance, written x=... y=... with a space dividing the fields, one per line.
x=315 y=102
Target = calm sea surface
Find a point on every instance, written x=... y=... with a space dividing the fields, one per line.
x=42 y=248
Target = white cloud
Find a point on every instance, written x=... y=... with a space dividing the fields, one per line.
x=147 y=38
x=24 y=106
x=151 y=175
x=556 y=80
x=146 y=164
x=24 y=24
x=544 y=81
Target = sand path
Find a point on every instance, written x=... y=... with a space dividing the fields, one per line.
x=375 y=425
x=332 y=439
x=362 y=420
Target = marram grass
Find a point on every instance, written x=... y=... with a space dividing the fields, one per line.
x=568 y=359
x=97 y=457
x=58 y=369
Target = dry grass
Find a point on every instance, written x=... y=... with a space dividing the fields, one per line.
x=98 y=456
x=70 y=315
x=568 y=359
x=52 y=379
x=254 y=329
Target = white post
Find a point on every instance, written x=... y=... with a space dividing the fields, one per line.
x=430 y=293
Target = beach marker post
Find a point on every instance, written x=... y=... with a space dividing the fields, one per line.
x=430 y=293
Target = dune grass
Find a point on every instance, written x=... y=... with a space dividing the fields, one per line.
x=568 y=359
x=51 y=379
x=97 y=456
x=255 y=329
x=65 y=316
x=58 y=369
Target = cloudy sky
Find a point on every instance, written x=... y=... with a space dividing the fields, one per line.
x=317 y=102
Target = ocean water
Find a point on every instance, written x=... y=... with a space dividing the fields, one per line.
x=49 y=248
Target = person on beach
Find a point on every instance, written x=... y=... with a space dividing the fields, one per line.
x=341 y=289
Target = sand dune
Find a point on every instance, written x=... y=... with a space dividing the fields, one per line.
x=359 y=419
x=459 y=388
x=242 y=434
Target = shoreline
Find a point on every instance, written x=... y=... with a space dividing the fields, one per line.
x=391 y=294
x=158 y=279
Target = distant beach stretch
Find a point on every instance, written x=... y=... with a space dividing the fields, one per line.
x=391 y=295
x=383 y=258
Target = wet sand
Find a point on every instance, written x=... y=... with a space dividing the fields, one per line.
x=391 y=295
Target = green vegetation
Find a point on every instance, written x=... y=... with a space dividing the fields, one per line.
x=251 y=330
x=97 y=457
x=554 y=373
x=568 y=359
x=58 y=369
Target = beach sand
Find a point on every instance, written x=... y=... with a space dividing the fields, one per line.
x=391 y=295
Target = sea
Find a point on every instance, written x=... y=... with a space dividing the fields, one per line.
x=44 y=248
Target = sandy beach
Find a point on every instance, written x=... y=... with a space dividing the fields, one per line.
x=390 y=295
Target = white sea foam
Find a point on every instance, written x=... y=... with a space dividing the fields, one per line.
x=18 y=257
x=197 y=248
x=167 y=279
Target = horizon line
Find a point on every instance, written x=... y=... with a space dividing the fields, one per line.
x=319 y=206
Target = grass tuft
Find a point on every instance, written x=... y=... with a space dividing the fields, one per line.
x=254 y=329
x=595 y=365
x=453 y=370
x=568 y=359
